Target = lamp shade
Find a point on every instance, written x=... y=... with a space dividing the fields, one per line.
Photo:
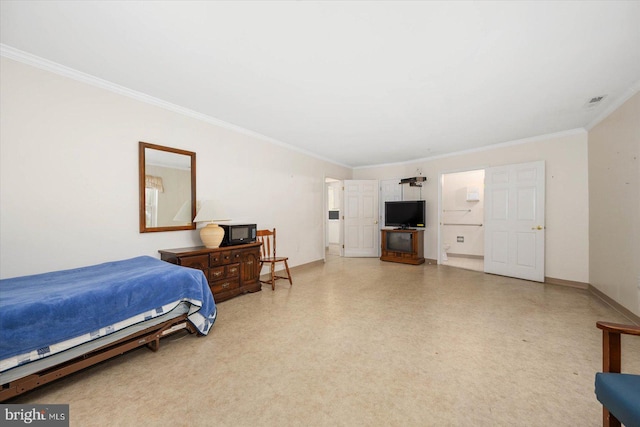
x=211 y=212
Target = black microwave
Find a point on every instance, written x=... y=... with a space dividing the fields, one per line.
x=238 y=234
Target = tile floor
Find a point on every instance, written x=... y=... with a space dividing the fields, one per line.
x=361 y=342
x=468 y=263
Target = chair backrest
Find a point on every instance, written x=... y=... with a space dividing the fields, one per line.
x=268 y=240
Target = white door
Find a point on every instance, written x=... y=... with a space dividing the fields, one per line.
x=514 y=220
x=390 y=191
x=361 y=234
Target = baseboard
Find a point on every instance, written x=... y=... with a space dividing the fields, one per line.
x=563 y=282
x=606 y=299
x=307 y=264
x=615 y=305
x=633 y=318
x=264 y=276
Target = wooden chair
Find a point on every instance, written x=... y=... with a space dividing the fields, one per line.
x=268 y=256
x=619 y=393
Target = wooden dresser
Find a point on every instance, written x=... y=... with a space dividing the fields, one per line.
x=230 y=270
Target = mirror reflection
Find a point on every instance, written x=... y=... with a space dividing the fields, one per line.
x=167 y=188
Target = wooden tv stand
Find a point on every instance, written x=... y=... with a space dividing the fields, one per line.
x=405 y=246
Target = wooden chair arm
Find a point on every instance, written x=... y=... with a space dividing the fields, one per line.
x=611 y=350
x=618 y=328
x=612 y=357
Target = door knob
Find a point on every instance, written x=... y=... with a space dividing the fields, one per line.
x=537 y=228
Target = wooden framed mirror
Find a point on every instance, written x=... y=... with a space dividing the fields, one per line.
x=167 y=185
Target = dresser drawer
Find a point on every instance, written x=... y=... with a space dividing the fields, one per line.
x=233 y=270
x=224 y=272
x=219 y=258
x=236 y=256
x=224 y=285
x=217 y=273
x=201 y=262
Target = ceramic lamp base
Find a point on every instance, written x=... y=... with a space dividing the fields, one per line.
x=212 y=235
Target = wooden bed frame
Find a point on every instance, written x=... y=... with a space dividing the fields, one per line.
x=149 y=337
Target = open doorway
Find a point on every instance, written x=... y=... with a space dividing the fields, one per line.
x=333 y=217
x=462 y=219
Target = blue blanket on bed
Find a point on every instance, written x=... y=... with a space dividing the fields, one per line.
x=39 y=310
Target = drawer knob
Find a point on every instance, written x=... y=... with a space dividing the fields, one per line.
x=217 y=273
x=249 y=262
x=225 y=285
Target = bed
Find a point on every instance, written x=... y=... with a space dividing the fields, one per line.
x=54 y=324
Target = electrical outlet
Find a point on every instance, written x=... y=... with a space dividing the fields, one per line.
x=460 y=239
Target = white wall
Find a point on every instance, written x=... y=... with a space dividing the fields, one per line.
x=69 y=176
x=567 y=216
x=614 y=205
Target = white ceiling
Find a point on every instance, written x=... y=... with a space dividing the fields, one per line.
x=359 y=83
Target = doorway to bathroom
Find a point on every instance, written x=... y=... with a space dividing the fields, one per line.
x=462 y=219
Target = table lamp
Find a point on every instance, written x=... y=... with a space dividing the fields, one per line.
x=212 y=234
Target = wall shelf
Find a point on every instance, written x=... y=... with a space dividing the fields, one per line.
x=415 y=181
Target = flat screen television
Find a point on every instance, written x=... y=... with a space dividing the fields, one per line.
x=405 y=214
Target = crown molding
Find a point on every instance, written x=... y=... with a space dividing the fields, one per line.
x=47 y=65
x=53 y=67
x=539 y=138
